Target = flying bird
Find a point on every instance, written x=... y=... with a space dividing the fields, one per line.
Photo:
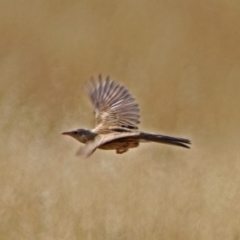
x=117 y=117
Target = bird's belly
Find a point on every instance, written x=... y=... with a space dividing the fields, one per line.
x=120 y=143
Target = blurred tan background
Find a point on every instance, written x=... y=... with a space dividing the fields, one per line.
x=180 y=59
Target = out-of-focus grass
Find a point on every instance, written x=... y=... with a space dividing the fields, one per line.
x=180 y=60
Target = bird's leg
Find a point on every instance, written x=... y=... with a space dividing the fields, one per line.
x=121 y=150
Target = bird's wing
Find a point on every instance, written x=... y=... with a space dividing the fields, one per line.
x=113 y=103
x=101 y=139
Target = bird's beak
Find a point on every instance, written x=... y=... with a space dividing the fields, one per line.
x=65 y=133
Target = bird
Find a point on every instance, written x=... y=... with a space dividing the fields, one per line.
x=117 y=118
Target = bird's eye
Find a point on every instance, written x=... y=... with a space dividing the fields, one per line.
x=75 y=132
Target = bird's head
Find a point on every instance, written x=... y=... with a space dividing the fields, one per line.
x=82 y=135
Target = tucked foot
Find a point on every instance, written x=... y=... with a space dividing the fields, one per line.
x=121 y=150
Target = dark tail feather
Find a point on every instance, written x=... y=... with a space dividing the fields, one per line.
x=182 y=142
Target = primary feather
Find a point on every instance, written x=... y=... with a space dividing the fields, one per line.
x=114 y=105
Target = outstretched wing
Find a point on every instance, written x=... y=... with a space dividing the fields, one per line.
x=114 y=105
x=101 y=139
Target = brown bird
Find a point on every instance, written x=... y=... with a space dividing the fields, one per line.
x=117 y=117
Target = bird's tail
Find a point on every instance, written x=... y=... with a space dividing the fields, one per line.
x=149 y=137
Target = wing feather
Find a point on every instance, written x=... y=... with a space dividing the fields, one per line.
x=113 y=103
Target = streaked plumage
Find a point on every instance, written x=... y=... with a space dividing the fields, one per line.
x=117 y=117
x=114 y=105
